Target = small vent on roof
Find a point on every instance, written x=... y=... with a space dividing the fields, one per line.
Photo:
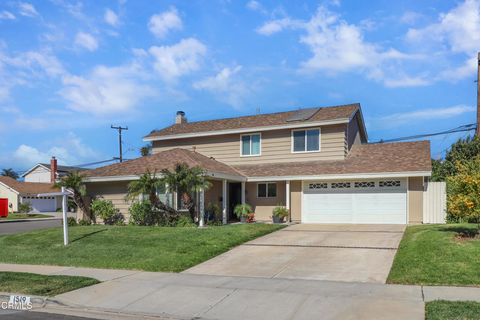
x=302 y=114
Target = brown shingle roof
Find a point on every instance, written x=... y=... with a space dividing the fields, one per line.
x=28 y=187
x=261 y=120
x=367 y=158
x=159 y=161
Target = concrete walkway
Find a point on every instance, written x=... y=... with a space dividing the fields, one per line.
x=180 y=296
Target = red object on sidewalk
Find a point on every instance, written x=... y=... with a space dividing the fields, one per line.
x=3 y=207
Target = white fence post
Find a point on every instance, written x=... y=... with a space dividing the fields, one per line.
x=435 y=202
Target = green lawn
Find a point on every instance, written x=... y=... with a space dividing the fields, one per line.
x=128 y=247
x=431 y=255
x=450 y=310
x=40 y=285
x=12 y=216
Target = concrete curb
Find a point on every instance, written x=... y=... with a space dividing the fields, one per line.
x=37 y=301
x=28 y=220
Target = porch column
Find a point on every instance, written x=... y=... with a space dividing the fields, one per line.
x=287 y=194
x=243 y=192
x=224 y=202
x=202 y=208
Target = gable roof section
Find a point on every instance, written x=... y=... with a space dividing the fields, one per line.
x=335 y=114
x=363 y=159
x=28 y=187
x=60 y=168
x=162 y=160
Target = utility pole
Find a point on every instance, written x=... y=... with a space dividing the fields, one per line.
x=477 y=132
x=119 y=128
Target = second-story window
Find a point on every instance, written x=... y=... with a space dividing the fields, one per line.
x=250 y=144
x=307 y=140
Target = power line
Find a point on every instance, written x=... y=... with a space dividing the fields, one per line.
x=464 y=128
x=119 y=128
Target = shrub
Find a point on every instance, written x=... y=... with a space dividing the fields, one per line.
x=71 y=221
x=250 y=218
x=242 y=210
x=84 y=222
x=107 y=211
x=24 y=207
x=143 y=214
x=280 y=212
x=463 y=189
x=185 y=221
x=213 y=211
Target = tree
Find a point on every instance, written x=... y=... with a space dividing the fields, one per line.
x=463 y=199
x=146 y=150
x=186 y=181
x=74 y=181
x=148 y=184
x=462 y=151
x=10 y=173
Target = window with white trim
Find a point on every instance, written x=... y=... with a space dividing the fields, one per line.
x=267 y=190
x=306 y=140
x=250 y=144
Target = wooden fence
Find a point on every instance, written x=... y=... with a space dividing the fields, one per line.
x=435 y=202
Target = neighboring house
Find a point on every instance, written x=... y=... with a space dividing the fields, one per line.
x=21 y=192
x=317 y=162
x=43 y=172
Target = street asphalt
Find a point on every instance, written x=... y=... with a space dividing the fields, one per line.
x=25 y=226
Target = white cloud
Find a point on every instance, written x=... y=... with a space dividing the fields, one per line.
x=468 y=69
x=162 y=23
x=256 y=6
x=69 y=151
x=427 y=114
x=338 y=46
x=410 y=17
x=459 y=29
x=407 y=81
x=86 y=41
x=106 y=90
x=111 y=18
x=27 y=9
x=225 y=87
x=34 y=61
x=179 y=59
x=6 y=15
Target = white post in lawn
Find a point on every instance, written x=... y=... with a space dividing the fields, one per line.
x=202 y=208
x=287 y=196
x=64 y=211
x=243 y=192
x=224 y=201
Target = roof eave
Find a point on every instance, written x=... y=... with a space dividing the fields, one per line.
x=249 y=129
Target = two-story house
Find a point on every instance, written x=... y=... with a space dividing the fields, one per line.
x=317 y=162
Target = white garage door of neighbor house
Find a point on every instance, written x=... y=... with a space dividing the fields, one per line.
x=355 y=201
x=43 y=204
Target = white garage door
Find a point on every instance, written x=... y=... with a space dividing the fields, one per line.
x=41 y=204
x=355 y=201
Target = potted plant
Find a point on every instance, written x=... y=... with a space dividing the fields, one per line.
x=242 y=211
x=279 y=213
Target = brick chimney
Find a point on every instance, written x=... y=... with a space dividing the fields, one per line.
x=180 y=118
x=53 y=170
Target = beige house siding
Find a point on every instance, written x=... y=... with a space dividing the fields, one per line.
x=263 y=206
x=13 y=198
x=40 y=174
x=296 y=201
x=113 y=191
x=415 y=200
x=276 y=147
x=353 y=133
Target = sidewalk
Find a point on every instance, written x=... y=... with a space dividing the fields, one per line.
x=183 y=296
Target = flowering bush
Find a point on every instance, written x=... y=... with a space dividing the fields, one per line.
x=463 y=191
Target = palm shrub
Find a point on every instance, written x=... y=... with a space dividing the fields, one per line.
x=463 y=190
x=74 y=181
x=186 y=181
x=107 y=212
x=279 y=213
x=242 y=210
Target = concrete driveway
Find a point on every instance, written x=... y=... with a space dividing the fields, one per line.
x=354 y=253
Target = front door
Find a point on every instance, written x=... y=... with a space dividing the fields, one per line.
x=234 y=198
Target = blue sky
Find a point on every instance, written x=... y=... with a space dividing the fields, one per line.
x=70 y=69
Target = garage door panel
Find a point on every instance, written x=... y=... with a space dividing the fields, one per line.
x=386 y=205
